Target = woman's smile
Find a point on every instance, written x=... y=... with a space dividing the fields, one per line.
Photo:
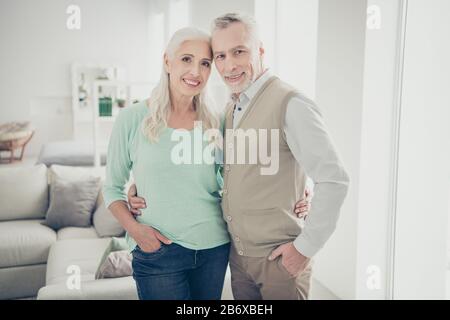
x=191 y=83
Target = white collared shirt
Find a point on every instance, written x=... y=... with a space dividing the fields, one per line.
x=313 y=148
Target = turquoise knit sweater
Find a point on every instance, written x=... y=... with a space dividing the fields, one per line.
x=183 y=200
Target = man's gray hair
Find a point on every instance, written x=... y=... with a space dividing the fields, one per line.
x=224 y=21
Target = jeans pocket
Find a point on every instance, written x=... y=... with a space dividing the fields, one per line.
x=141 y=254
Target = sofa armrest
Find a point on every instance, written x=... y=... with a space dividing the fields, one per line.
x=101 y=289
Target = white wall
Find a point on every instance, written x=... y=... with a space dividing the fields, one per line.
x=356 y=90
x=296 y=44
x=424 y=158
x=37 y=50
x=288 y=30
x=340 y=63
x=377 y=145
x=266 y=13
x=204 y=11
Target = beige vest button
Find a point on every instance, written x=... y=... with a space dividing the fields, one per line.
x=229 y=218
x=227 y=167
x=240 y=253
x=237 y=239
x=225 y=191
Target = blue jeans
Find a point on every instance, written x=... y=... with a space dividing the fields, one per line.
x=177 y=273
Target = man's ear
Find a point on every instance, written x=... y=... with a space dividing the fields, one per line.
x=261 y=50
x=166 y=63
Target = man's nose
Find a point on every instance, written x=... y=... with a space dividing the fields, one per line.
x=230 y=65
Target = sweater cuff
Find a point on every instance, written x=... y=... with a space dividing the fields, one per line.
x=110 y=197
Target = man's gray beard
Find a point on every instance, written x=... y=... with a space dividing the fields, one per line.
x=244 y=87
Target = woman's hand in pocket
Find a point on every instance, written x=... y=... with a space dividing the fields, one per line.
x=148 y=238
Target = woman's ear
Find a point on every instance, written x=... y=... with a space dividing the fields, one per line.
x=166 y=63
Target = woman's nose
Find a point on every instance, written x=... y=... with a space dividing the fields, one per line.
x=195 y=71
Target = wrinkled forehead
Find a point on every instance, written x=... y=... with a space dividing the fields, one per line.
x=235 y=35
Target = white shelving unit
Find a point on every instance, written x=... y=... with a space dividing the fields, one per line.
x=83 y=77
x=134 y=91
x=90 y=82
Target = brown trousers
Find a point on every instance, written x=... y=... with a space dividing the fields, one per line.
x=260 y=279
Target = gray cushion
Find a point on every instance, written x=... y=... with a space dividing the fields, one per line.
x=104 y=221
x=75 y=173
x=24 y=242
x=116 y=260
x=72 y=202
x=23 y=192
x=76 y=233
x=116 y=265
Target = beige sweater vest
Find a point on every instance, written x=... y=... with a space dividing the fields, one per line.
x=259 y=208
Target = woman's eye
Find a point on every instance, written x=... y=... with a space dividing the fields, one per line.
x=206 y=64
x=186 y=59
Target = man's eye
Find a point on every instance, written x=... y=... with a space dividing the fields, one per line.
x=220 y=57
x=238 y=52
x=186 y=59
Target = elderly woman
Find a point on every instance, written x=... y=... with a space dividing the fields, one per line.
x=180 y=244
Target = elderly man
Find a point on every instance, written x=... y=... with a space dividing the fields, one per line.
x=272 y=251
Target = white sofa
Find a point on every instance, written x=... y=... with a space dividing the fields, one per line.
x=37 y=261
x=24 y=242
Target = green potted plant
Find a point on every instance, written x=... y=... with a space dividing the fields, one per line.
x=120 y=103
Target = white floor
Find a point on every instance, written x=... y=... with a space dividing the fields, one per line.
x=320 y=292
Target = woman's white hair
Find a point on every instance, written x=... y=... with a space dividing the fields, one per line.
x=159 y=102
